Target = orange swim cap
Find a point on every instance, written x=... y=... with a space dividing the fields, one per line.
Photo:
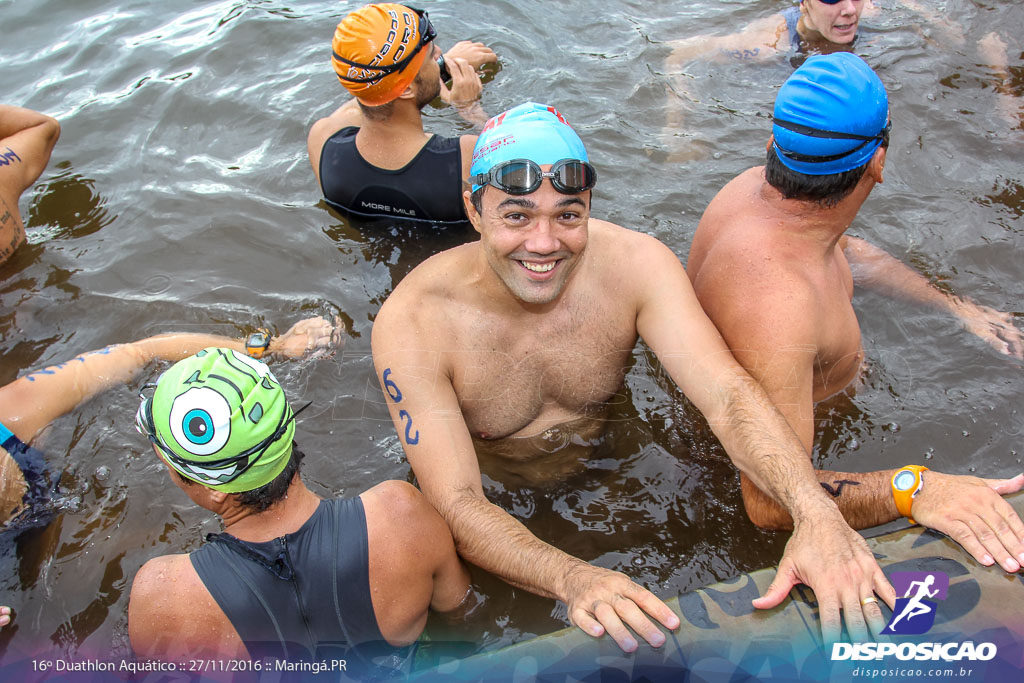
x=371 y=42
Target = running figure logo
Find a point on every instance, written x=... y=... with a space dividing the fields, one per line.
x=914 y=613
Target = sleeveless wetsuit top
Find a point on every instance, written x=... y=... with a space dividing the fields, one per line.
x=792 y=16
x=301 y=593
x=38 y=481
x=428 y=188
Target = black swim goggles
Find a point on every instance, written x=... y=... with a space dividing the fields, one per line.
x=522 y=176
x=147 y=427
x=882 y=135
x=427 y=35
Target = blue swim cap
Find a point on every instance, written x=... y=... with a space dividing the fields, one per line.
x=836 y=93
x=529 y=131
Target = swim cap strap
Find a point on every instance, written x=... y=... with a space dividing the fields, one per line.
x=824 y=134
x=384 y=70
x=819 y=133
x=811 y=159
x=426 y=34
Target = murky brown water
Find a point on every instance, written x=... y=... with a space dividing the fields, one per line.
x=180 y=197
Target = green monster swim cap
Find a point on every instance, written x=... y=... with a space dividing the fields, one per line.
x=220 y=418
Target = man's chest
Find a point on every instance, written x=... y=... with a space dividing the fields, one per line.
x=556 y=371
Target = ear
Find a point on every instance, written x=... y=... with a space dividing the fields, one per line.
x=216 y=497
x=877 y=164
x=471 y=212
x=409 y=93
x=771 y=140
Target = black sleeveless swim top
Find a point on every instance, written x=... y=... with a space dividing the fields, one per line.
x=40 y=482
x=428 y=188
x=792 y=16
x=302 y=596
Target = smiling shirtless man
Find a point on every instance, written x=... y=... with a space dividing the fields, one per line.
x=533 y=327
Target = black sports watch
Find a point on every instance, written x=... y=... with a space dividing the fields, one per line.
x=446 y=75
x=257 y=343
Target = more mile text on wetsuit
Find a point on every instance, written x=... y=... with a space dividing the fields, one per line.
x=428 y=188
x=303 y=595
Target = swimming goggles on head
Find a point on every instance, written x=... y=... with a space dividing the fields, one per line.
x=427 y=35
x=145 y=424
x=522 y=176
x=882 y=135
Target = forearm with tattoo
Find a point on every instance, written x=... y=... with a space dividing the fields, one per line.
x=864 y=498
x=12 y=232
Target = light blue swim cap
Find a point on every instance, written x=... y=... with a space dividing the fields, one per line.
x=836 y=93
x=529 y=131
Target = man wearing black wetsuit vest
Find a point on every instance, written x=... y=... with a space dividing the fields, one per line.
x=372 y=157
x=292 y=577
x=31 y=402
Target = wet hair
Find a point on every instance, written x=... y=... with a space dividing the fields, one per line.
x=825 y=190
x=273 y=491
x=477 y=199
x=382 y=112
x=276 y=489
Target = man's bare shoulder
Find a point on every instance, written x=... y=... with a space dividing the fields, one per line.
x=751 y=266
x=753 y=294
x=151 y=580
x=171 y=613
x=442 y=274
x=630 y=258
x=346 y=115
x=398 y=513
x=150 y=598
x=745 y=187
x=735 y=230
x=631 y=262
x=611 y=240
x=466 y=145
x=429 y=294
x=742 y=267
